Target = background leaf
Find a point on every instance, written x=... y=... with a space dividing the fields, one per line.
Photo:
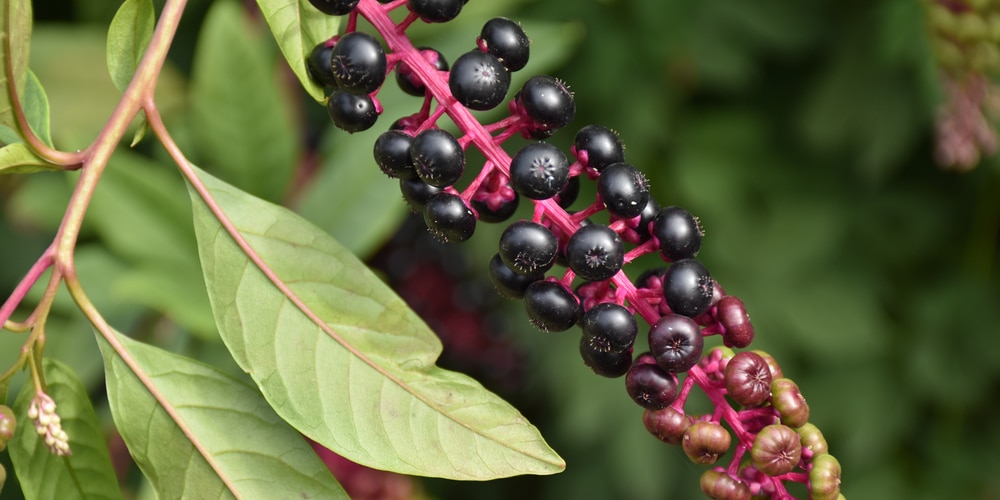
x=298 y=27
x=128 y=36
x=351 y=366
x=15 y=25
x=249 y=447
x=87 y=472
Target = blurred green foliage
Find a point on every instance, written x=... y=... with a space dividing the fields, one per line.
x=799 y=132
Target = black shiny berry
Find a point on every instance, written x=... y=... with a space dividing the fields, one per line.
x=547 y=102
x=435 y=11
x=408 y=80
x=392 y=154
x=416 y=193
x=676 y=343
x=611 y=364
x=506 y=40
x=528 y=247
x=502 y=212
x=569 y=194
x=334 y=7
x=351 y=112
x=595 y=252
x=539 y=171
x=479 y=80
x=624 y=190
x=510 y=283
x=646 y=216
x=437 y=157
x=318 y=65
x=602 y=145
x=448 y=218
x=678 y=232
x=687 y=287
x=650 y=386
x=609 y=327
x=358 y=63
x=551 y=307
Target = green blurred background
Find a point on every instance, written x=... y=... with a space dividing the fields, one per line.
x=801 y=133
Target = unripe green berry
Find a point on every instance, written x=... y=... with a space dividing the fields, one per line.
x=776 y=450
x=772 y=364
x=971 y=26
x=943 y=19
x=704 y=442
x=812 y=439
x=790 y=403
x=8 y=424
x=824 y=478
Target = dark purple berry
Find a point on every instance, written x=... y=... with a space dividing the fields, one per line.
x=595 y=252
x=358 y=63
x=568 y=195
x=748 y=380
x=506 y=40
x=676 y=343
x=602 y=145
x=624 y=190
x=650 y=386
x=776 y=450
x=734 y=318
x=687 y=286
x=508 y=282
x=351 y=112
x=678 y=232
x=334 y=7
x=528 y=247
x=704 y=441
x=718 y=485
x=611 y=364
x=392 y=154
x=479 y=80
x=547 y=102
x=408 y=80
x=539 y=171
x=551 y=307
x=448 y=218
x=437 y=157
x=668 y=424
x=824 y=478
x=789 y=401
x=435 y=11
x=416 y=193
x=609 y=327
x=318 y=65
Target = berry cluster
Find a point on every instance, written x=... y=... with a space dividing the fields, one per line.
x=682 y=302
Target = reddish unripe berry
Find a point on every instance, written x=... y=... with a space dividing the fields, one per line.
x=813 y=442
x=748 y=380
x=732 y=313
x=704 y=442
x=668 y=424
x=790 y=403
x=776 y=450
x=718 y=485
x=824 y=478
x=772 y=364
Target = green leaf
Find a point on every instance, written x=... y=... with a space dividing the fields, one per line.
x=298 y=27
x=225 y=442
x=241 y=118
x=15 y=29
x=36 y=108
x=87 y=472
x=342 y=358
x=128 y=35
x=20 y=159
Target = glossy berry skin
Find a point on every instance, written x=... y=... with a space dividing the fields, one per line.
x=392 y=154
x=8 y=424
x=646 y=216
x=351 y=112
x=500 y=214
x=448 y=218
x=551 y=307
x=813 y=442
x=437 y=157
x=609 y=327
x=569 y=194
x=595 y=252
x=668 y=424
x=547 y=102
x=318 y=65
x=510 y=283
x=687 y=287
x=718 y=485
x=732 y=314
x=611 y=364
x=650 y=386
x=539 y=171
x=416 y=193
x=408 y=80
x=824 y=478
x=506 y=40
x=748 y=379
x=789 y=401
x=334 y=7
x=602 y=145
x=358 y=63
x=678 y=232
x=676 y=343
x=435 y=11
x=624 y=190
x=528 y=247
x=704 y=441
x=776 y=450
x=479 y=80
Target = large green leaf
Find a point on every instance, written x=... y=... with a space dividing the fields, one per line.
x=298 y=27
x=15 y=28
x=241 y=119
x=226 y=441
x=87 y=472
x=20 y=159
x=342 y=358
x=128 y=36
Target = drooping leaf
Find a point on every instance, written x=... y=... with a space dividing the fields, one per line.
x=241 y=119
x=342 y=358
x=20 y=159
x=298 y=27
x=128 y=35
x=198 y=433
x=87 y=472
x=15 y=27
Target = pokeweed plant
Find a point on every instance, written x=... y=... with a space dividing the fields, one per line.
x=334 y=356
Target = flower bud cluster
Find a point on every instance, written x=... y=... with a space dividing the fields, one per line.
x=42 y=412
